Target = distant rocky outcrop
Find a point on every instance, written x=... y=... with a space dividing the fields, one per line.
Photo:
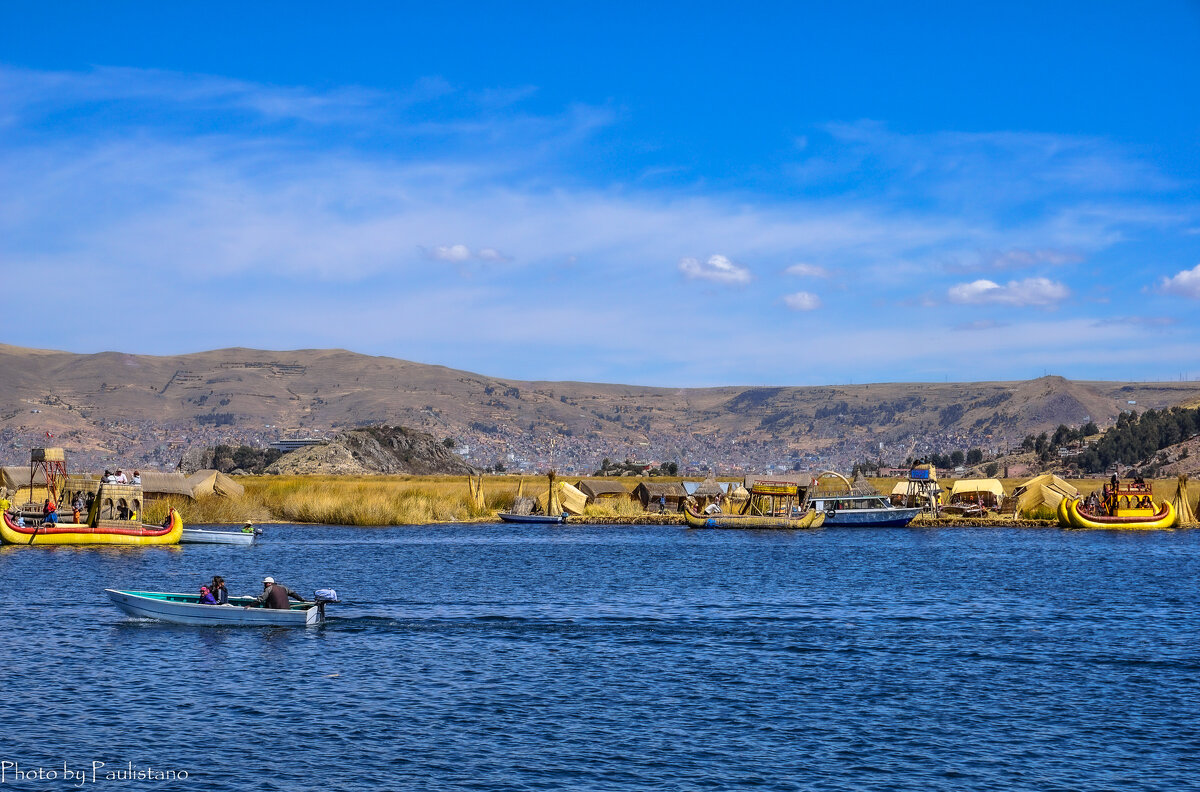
x=234 y=460
x=374 y=450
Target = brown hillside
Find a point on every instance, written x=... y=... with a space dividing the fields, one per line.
x=113 y=407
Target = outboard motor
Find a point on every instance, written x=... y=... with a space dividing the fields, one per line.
x=322 y=596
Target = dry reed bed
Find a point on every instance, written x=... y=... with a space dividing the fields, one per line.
x=422 y=500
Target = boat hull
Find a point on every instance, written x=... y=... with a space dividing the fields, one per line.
x=107 y=532
x=751 y=521
x=200 y=536
x=536 y=519
x=184 y=609
x=1070 y=515
x=870 y=518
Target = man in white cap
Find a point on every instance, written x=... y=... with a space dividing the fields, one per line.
x=275 y=595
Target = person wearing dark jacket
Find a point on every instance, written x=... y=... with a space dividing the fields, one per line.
x=219 y=592
x=275 y=595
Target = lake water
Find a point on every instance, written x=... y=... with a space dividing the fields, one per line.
x=621 y=658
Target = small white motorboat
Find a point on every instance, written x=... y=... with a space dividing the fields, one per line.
x=205 y=536
x=240 y=612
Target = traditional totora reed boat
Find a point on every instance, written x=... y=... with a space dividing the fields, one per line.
x=110 y=515
x=772 y=504
x=118 y=532
x=1121 y=506
x=809 y=519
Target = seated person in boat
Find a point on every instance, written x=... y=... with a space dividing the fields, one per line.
x=5 y=503
x=49 y=512
x=219 y=592
x=275 y=595
x=170 y=517
x=206 y=597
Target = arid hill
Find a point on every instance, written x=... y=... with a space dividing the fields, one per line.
x=376 y=449
x=147 y=410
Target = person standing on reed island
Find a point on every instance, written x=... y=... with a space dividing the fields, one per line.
x=275 y=595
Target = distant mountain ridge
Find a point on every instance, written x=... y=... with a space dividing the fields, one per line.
x=147 y=410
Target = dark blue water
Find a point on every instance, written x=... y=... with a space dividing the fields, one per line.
x=526 y=658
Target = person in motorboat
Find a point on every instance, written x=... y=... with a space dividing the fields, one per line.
x=248 y=527
x=206 y=597
x=275 y=595
x=219 y=592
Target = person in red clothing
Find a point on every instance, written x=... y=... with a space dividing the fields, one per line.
x=49 y=513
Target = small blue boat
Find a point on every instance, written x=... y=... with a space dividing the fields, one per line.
x=187 y=609
x=544 y=519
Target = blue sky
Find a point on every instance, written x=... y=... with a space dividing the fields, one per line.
x=666 y=194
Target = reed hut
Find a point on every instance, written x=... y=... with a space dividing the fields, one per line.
x=566 y=499
x=1044 y=490
x=158 y=485
x=975 y=496
x=602 y=489
x=214 y=482
x=708 y=492
x=14 y=477
x=653 y=494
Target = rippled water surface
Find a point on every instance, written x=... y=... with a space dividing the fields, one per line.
x=501 y=657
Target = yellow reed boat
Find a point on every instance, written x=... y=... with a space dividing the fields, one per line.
x=110 y=518
x=1121 y=506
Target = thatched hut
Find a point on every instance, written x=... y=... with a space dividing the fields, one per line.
x=1045 y=490
x=602 y=489
x=656 y=495
x=13 y=477
x=708 y=491
x=214 y=482
x=567 y=499
x=156 y=484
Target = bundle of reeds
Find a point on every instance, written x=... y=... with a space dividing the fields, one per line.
x=552 y=503
x=475 y=483
x=1182 y=503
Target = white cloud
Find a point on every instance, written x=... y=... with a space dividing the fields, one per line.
x=1031 y=291
x=807 y=271
x=1183 y=284
x=452 y=253
x=491 y=254
x=718 y=269
x=802 y=301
